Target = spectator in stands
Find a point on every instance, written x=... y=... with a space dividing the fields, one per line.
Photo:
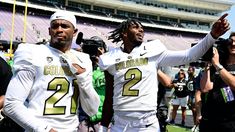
x=130 y=73
x=181 y=97
x=218 y=90
x=50 y=80
x=94 y=47
x=191 y=84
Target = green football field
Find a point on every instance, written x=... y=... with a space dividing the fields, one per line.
x=173 y=128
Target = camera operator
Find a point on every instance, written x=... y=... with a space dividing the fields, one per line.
x=218 y=90
x=95 y=47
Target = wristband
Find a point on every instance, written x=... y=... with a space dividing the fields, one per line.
x=219 y=67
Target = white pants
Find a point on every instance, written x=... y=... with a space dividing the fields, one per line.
x=149 y=124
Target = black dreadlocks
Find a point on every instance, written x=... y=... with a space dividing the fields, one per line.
x=116 y=35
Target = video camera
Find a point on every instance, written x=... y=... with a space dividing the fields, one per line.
x=90 y=46
x=221 y=45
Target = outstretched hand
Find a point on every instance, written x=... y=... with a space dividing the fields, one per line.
x=220 y=27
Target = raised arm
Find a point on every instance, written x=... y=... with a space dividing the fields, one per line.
x=220 y=27
x=174 y=58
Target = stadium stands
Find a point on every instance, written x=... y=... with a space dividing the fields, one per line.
x=38 y=22
x=37 y=31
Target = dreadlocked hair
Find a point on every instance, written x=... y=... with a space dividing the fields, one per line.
x=116 y=35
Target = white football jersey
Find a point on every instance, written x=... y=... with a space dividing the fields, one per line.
x=53 y=95
x=135 y=76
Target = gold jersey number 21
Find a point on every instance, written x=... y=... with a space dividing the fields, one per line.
x=61 y=87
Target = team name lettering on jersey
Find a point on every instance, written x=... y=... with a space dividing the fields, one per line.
x=131 y=63
x=57 y=70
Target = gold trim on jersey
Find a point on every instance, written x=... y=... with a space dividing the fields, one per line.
x=131 y=63
x=57 y=70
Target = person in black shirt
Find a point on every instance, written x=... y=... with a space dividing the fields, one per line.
x=5 y=77
x=6 y=124
x=218 y=91
x=191 y=85
x=181 y=97
x=165 y=82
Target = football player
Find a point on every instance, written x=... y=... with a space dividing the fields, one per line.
x=130 y=73
x=50 y=80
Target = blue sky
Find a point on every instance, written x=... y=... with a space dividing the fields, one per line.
x=231 y=19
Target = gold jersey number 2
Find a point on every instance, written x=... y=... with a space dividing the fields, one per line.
x=61 y=87
x=133 y=76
